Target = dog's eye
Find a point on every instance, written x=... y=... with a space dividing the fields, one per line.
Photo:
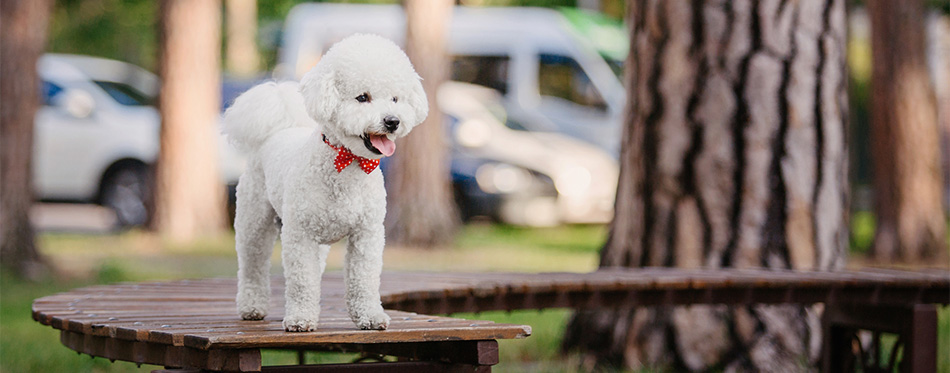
x=363 y=97
x=395 y=99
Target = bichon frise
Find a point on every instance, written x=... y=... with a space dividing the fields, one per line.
x=313 y=151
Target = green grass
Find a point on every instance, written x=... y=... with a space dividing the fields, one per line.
x=571 y=239
x=27 y=346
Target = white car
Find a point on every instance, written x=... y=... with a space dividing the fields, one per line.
x=521 y=177
x=96 y=135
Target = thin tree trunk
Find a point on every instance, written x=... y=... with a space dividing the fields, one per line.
x=190 y=198
x=904 y=136
x=734 y=154
x=939 y=31
x=23 y=29
x=421 y=208
x=241 y=59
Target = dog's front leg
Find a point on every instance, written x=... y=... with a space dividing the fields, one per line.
x=304 y=260
x=363 y=264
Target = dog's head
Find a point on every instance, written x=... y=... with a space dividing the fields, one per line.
x=365 y=93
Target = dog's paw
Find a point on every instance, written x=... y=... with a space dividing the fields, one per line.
x=373 y=320
x=300 y=324
x=252 y=313
x=252 y=308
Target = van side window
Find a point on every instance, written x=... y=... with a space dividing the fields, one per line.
x=488 y=71
x=562 y=77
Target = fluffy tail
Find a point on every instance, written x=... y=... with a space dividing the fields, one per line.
x=263 y=111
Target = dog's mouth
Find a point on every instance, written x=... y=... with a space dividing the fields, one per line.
x=379 y=144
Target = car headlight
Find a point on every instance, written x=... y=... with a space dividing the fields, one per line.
x=502 y=178
x=573 y=181
x=472 y=133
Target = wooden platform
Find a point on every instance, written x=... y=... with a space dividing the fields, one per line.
x=193 y=323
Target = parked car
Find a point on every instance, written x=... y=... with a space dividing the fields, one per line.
x=501 y=171
x=97 y=135
x=558 y=70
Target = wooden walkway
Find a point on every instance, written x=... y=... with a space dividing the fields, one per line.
x=193 y=323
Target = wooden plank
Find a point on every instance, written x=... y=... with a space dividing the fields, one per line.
x=393 y=367
x=247 y=360
x=281 y=339
x=464 y=352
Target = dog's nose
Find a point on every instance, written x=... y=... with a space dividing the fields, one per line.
x=391 y=122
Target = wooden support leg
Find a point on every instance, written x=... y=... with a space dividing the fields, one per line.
x=915 y=326
x=920 y=348
x=836 y=353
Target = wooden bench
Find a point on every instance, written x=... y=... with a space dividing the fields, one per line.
x=192 y=324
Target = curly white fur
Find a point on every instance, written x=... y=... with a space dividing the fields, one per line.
x=290 y=175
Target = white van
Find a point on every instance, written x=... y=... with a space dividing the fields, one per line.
x=552 y=66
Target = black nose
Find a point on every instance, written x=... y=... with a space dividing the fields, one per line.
x=391 y=122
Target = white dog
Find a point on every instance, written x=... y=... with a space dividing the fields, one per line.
x=313 y=148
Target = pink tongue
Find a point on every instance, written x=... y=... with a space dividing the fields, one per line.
x=383 y=144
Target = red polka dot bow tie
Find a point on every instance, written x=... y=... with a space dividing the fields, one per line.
x=344 y=157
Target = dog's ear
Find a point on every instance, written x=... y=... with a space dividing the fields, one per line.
x=418 y=100
x=320 y=93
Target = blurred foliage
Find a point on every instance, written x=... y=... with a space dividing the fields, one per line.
x=862 y=232
x=119 y=29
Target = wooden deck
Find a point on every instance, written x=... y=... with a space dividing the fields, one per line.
x=193 y=323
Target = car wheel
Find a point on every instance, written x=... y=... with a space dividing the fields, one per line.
x=126 y=192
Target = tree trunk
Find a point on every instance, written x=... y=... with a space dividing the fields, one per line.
x=421 y=208
x=734 y=154
x=23 y=28
x=242 y=59
x=190 y=198
x=939 y=31
x=904 y=136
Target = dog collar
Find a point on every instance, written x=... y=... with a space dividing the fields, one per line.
x=344 y=157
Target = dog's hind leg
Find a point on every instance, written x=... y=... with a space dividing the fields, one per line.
x=363 y=264
x=304 y=261
x=254 y=233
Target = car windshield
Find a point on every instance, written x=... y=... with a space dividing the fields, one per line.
x=125 y=94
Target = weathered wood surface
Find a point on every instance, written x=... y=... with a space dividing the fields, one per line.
x=193 y=323
x=624 y=287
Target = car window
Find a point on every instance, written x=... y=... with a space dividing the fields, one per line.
x=49 y=91
x=125 y=94
x=617 y=67
x=488 y=71
x=561 y=76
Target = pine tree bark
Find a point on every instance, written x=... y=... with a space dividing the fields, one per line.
x=734 y=154
x=421 y=210
x=190 y=198
x=23 y=30
x=905 y=138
